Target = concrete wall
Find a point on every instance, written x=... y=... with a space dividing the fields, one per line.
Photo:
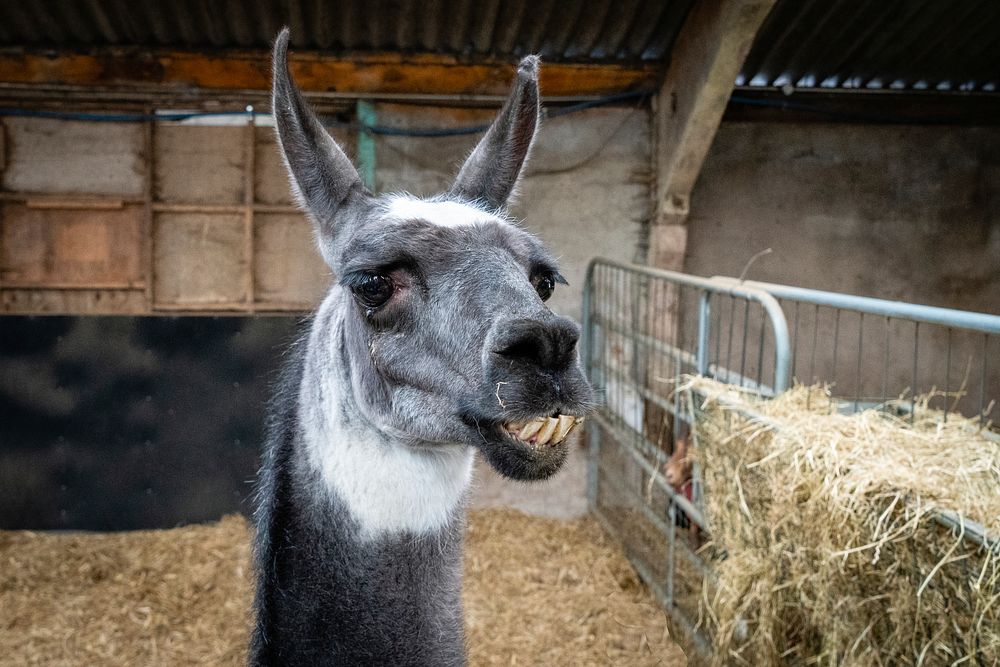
x=585 y=192
x=908 y=213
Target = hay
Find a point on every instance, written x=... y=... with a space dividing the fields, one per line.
x=139 y=598
x=833 y=554
x=537 y=591
x=548 y=592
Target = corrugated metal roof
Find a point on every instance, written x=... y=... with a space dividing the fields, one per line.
x=928 y=45
x=947 y=45
x=599 y=30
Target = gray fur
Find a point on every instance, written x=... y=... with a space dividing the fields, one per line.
x=463 y=346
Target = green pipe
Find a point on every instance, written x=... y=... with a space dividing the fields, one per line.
x=366 y=143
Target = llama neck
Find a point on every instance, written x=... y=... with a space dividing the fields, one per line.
x=388 y=486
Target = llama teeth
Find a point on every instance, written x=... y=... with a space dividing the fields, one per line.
x=566 y=424
x=546 y=433
x=530 y=429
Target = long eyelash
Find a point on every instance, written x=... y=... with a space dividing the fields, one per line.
x=408 y=264
x=545 y=268
x=358 y=278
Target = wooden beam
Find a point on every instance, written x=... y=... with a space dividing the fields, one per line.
x=361 y=75
x=249 y=170
x=148 y=188
x=705 y=60
x=16 y=301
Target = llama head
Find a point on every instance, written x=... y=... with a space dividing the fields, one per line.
x=445 y=331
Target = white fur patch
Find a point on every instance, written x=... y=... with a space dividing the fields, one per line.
x=388 y=487
x=443 y=213
x=393 y=488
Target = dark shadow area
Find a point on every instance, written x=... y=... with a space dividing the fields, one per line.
x=118 y=423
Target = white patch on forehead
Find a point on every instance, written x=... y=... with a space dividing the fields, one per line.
x=442 y=213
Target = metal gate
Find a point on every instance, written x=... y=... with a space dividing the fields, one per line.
x=646 y=329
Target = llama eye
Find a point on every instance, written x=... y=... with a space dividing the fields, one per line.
x=373 y=290
x=544 y=284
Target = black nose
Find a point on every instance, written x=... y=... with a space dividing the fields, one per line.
x=549 y=344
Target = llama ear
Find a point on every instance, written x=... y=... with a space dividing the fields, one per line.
x=491 y=172
x=321 y=173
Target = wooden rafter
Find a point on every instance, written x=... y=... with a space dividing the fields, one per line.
x=704 y=63
x=364 y=75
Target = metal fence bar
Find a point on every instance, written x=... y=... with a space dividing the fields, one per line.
x=949 y=317
x=883 y=395
x=587 y=351
x=982 y=381
x=743 y=347
x=947 y=374
x=916 y=358
x=718 y=331
x=857 y=373
x=971 y=529
x=704 y=319
x=836 y=341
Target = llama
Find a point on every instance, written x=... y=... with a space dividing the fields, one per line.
x=678 y=473
x=434 y=342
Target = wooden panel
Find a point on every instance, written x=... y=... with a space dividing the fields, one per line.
x=77 y=301
x=288 y=268
x=389 y=74
x=270 y=178
x=199 y=260
x=199 y=163
x=55 y=156
x=48 y=247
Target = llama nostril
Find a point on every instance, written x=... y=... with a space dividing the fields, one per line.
x=528 y=348
x=548 y=344
x=523 y=348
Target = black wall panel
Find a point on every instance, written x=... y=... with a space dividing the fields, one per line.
x=113 y=423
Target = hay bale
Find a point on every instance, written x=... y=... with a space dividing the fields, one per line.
x=537 y=591
x=827 y=522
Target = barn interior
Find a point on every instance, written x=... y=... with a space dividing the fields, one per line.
x=154 y=265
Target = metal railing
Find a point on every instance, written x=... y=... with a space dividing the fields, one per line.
x=870 y=351
x=644 y=329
